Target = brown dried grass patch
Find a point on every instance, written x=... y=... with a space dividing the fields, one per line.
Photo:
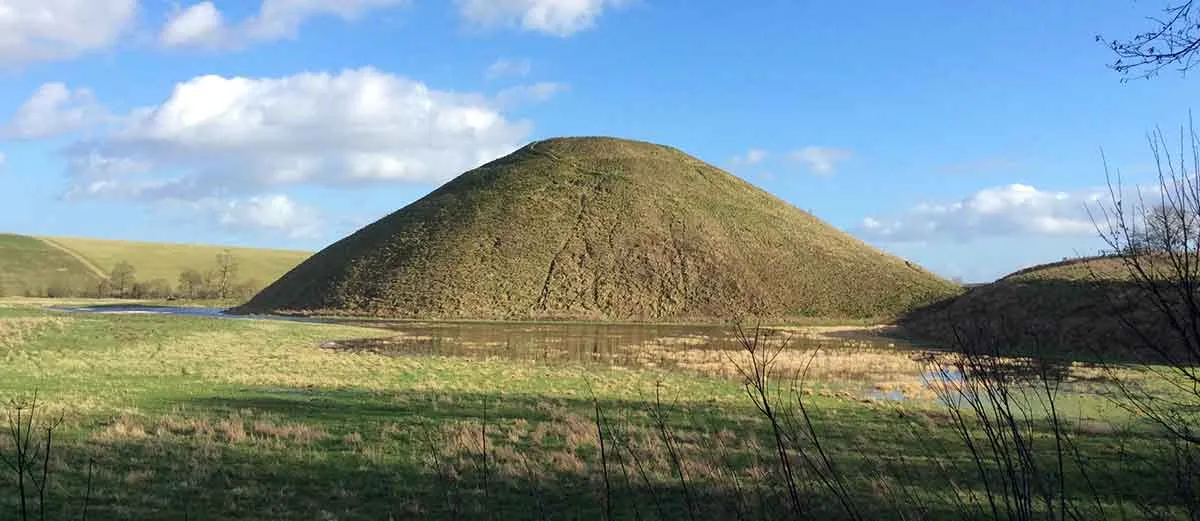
x=17 y=330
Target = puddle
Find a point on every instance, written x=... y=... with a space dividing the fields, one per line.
x=887 y=396
x=943 y=377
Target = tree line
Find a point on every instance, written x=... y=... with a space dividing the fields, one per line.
x=219 y=282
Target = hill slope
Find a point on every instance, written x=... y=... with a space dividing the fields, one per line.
x=600 y=228
x=1070 y=306
x=30 y=265
x=74 y=266
x=154 y=260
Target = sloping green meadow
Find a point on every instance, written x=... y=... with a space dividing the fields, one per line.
x=30 y=265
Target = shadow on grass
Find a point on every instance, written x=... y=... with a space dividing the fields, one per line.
x=276 y=453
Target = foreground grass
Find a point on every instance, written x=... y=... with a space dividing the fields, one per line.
x=229 y=419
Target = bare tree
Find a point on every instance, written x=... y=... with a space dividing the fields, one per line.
x=103 y=288
x=225 y=274
x=122 y=278
x=1160 y=304
x=1174 y=41
x=191 y=283
x=1163 y=228
x=1170 y=228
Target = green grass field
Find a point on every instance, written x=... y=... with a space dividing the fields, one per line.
x=165 y=260
x=236 y=419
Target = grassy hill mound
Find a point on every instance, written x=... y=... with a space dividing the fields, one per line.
x=1074 y=307
x=600 y=228
x=29 y=265
x=154 y=260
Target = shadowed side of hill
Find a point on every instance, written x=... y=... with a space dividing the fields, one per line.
x=600 y=228
x=1082 y=307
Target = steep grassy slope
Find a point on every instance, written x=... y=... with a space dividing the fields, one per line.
x=600 y=228
x=165 y=260
x=28 y=264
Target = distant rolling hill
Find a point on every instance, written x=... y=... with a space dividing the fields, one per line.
x=165 y=260
x=29 y=264
x=33 y=264
x=601 y=228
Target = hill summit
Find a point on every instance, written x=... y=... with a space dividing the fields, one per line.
x=600 y=228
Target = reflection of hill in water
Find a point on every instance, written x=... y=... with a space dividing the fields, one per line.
x=606 y=343
x=856 y=366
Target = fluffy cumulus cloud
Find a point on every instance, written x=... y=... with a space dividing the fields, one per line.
x=820 y=160
x=220 y=136
x=54 y=109
x=204 y=25
x=553 y=17
x=40 y=30
x=1012 y=210
x=276 y=213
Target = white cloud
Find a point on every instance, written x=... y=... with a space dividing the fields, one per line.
x=504 y=68
x=534 y=93
x=752 y=157
x=268 y=213
x=97 y=175
x=3 y=160
x=199 y=25
x=222 y=136
x=203 y=25
x=52 y=110
x=821 y=160
x=553 y=17
x=1013 y=210
x=40 y=30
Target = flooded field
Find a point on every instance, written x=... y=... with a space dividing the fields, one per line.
x=856 y=361
x=852 y=361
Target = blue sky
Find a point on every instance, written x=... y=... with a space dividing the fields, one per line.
x=965 y=136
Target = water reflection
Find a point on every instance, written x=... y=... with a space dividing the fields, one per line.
x=707 y=349
x=849 y=360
